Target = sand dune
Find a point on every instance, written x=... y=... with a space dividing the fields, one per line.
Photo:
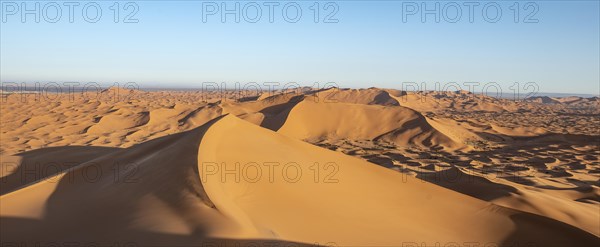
x=398 y=125
x=362 y=168
x=370 y=96
x=176 y=191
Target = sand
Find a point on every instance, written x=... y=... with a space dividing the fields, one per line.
x=335 y=167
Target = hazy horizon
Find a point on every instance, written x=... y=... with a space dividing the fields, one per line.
x=354 y=43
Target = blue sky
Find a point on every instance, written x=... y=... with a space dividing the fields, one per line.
x=370 y=45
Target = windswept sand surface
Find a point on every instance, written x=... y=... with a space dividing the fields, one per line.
x=335 y=167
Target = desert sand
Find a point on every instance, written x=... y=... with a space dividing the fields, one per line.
x=333 y=167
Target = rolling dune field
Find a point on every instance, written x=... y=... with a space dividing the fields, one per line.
x=332 y=167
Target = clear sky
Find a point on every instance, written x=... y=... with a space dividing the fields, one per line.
x=373 y=43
